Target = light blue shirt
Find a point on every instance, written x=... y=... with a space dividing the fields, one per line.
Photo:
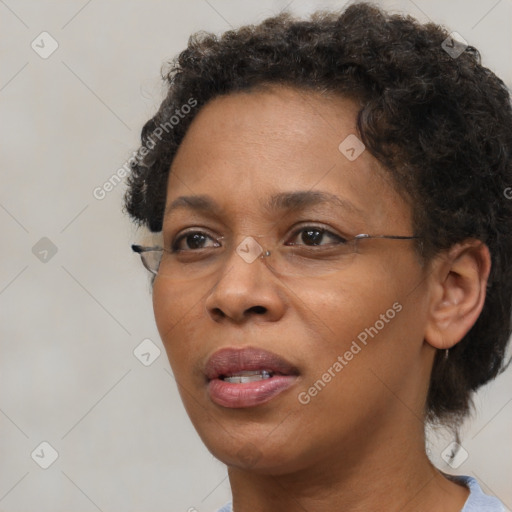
x=477 y=501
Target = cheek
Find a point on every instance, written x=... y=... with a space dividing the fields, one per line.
x=176 y=313
x=372 y=305
x=164 y=309
x=365 y=347
x=348 y=302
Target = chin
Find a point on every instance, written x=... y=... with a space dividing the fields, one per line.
x=251 y=453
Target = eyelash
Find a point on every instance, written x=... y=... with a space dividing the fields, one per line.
x=175 y=243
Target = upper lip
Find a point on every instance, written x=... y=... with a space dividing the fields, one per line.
x=232 y=360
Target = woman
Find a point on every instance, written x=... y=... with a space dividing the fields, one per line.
x=334 y=269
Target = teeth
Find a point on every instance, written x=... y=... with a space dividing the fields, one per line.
x=248 y=376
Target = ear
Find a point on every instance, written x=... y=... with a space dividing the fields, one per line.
x=458 y=286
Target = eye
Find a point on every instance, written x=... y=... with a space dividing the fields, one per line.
x=313 y=235
x=194 y=240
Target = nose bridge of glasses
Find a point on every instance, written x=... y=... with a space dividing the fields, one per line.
x=253 y=247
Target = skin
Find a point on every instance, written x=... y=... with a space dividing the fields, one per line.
x=360 y=441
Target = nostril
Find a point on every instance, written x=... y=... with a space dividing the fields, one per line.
x=218 y=312
x=258 y=309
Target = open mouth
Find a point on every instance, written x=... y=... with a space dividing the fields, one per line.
x=247 y=376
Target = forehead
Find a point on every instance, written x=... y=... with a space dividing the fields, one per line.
x=245 y=147
x=277 y=115
x=277 y=121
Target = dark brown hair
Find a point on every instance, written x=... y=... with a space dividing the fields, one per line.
x=440 y=124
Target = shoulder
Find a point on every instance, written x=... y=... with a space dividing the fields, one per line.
x=478 y=501
x=226 y=508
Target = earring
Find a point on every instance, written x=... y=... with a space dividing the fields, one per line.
x=446 y=352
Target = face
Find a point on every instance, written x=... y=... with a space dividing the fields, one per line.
x=358 y=367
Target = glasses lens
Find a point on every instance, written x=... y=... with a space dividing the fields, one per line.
x=284 y=260
x=311 y=261
x=151 y=260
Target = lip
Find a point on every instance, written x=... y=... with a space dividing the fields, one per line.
x=232 y=360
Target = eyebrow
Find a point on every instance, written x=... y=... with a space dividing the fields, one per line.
x=277 y=203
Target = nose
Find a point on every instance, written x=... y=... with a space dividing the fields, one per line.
x=246 y=287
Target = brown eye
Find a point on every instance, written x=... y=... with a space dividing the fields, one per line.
x=194 y=240
x=313 y=235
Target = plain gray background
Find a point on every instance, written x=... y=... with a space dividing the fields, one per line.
x=74 y=300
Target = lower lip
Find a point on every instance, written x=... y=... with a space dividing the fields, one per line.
x=248 y=394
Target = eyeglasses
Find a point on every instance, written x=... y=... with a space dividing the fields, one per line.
x=294 y=260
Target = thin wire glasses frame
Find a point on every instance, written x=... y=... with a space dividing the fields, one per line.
x=143 y=250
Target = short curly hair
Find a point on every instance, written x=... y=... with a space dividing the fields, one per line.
x=439 y=123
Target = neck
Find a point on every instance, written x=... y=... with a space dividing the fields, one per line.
x=387 y=472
